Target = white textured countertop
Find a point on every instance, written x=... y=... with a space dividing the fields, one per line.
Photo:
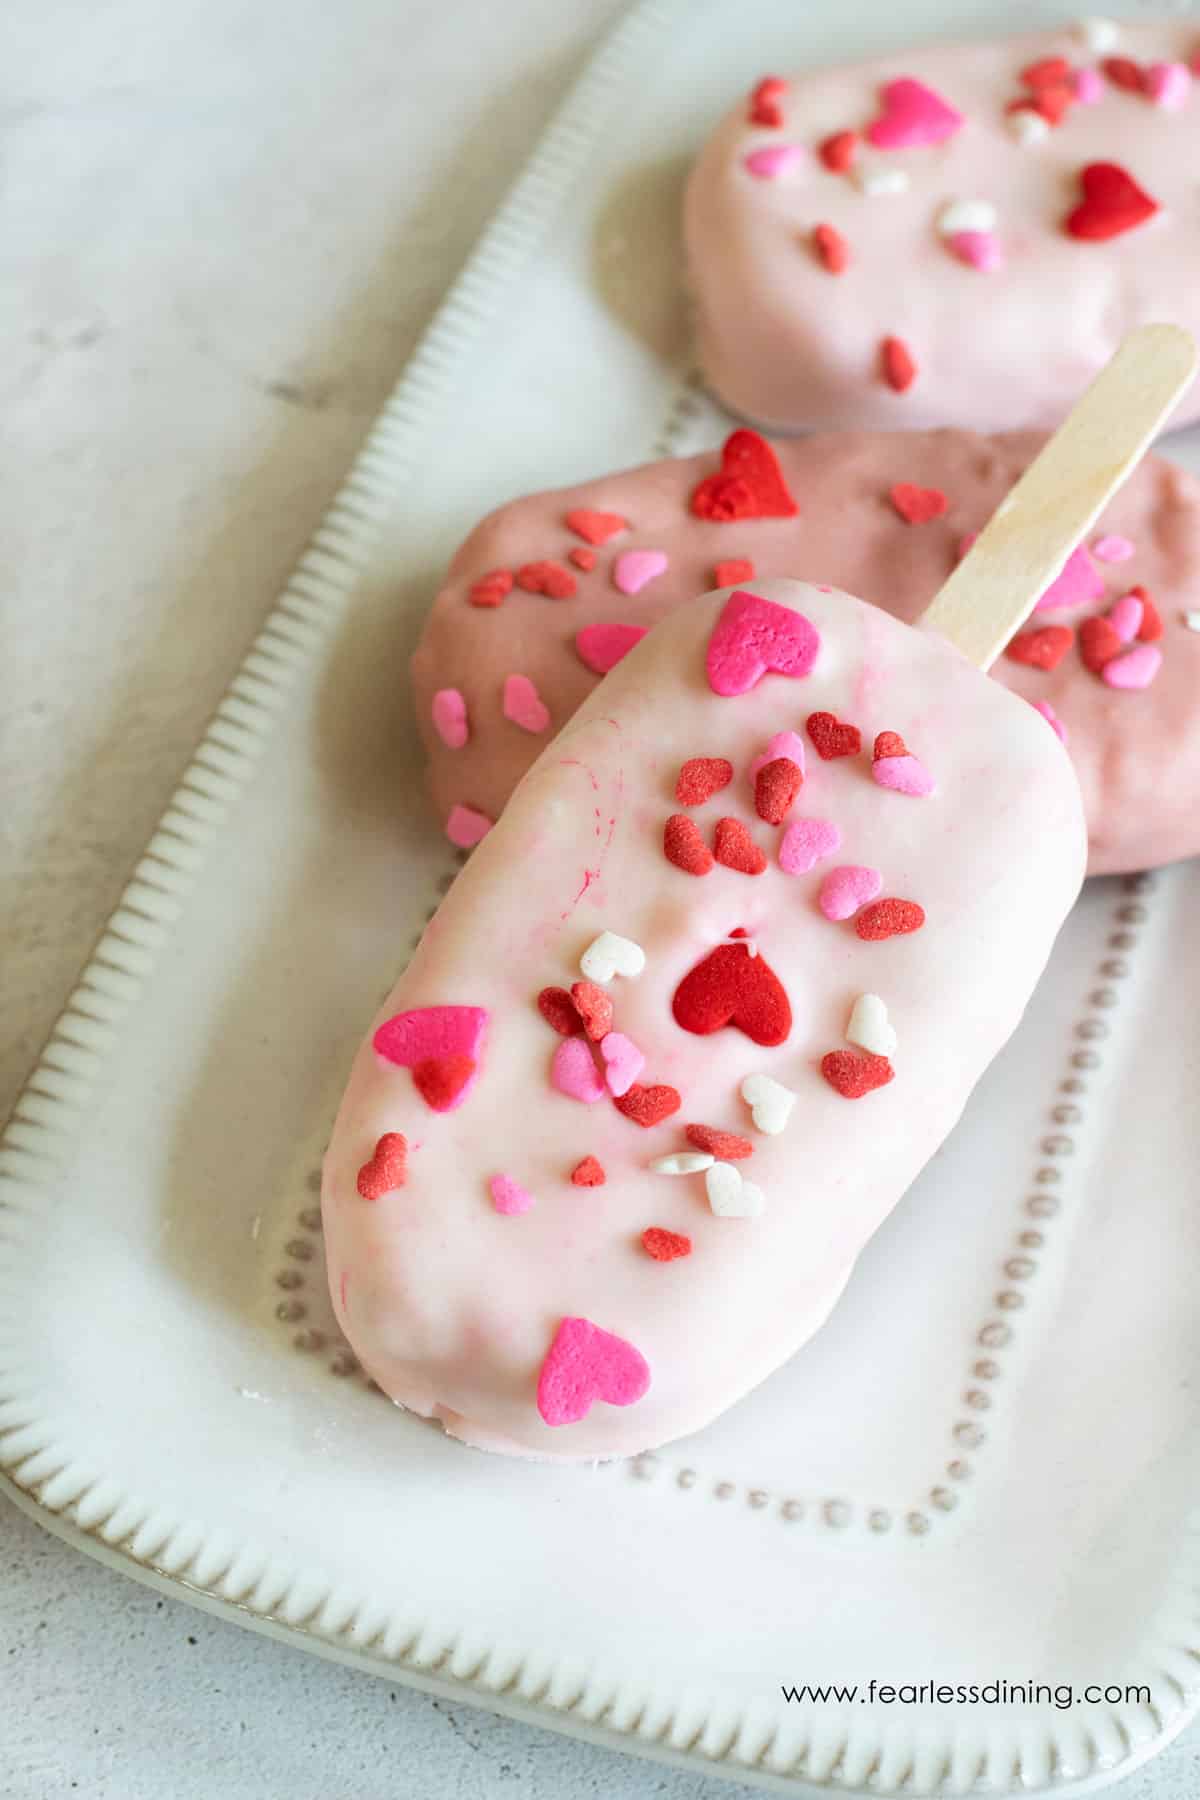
x=223 y=224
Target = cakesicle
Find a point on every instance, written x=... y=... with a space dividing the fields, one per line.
x=948 y=236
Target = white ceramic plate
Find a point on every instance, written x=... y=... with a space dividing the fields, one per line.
x=983 y=1467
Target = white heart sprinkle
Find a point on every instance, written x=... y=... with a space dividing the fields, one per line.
x=610 y=955
x=874 y=182
x=769 y=1101
x=869 y=1027
x=1027 y=126
x=966 y=215
x=1192 y=620
x=1099 y=34
x=729 y=1196
x=683 y=1162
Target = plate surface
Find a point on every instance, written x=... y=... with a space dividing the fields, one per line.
x=983 y=1467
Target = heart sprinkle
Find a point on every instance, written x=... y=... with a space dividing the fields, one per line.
x=595 y=527
x=773 y=160
x=444 y=1081
x=449 y=712
x=588 y=1174
x=1112 y=203
x=548 y=578
x=509 y=1197
x=523 y=705
x=913 y=115
x=894 y=766
x=784 y=743
x=980 y=250
x=665 y=1246
x=387 y=1169
x=898 y=364
x=726 y=1146
x=748 y=485
x=1099 y=642
x=852 y=1075
x=648 y=1106
x=466 y=827
x=601 y=647
x=838 y=151
x=754 y=637
x=765 y=108
x=585 y=1364
x=833 y=252
x=1152 y=625
x=574 y=1073
x=594 y=1007
x=731 y=987
x=730 y=1195
x=1136 y=669
x=846 y=889
x=684 y=846
x=1168 y=84
x=1125 y=616
x=558 y=1009
x=635 y=569
x=700 y=778
x=831 y=738
x=807 y=842
x=1080 y=581
x=1052 y=719
x=736 y=849
x=490 y=589
x=917 y=505
x=775 y=787
x=1042 y=648
x=610 y=955
x=1112 y=548
x=623 y=1062
x=583 y=559
x=889 y=918
x=683 y=1162
x=730 y=572
x=429 y=1035
x=770 y=1103
x=869 y=1026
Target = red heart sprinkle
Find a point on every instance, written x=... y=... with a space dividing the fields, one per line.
x=748 y=485
x=775 y=787
x=764 y=101
x=1050 y=71
x=665 y=1246
x=648 y=1106
x=838 y=150
x=438 y=1079
x=831 y=738
x=595 y=527
x=558 y=1009
x=898 y=363
x=918 y=505
x=728 y=574
x=1054 y=102
x=888 y=918
x=1099 y=642
x=684 y=846
x=888 y=743
x=1152 y=625
x=726 y=1146
x=731 y=987
x=583 y=559
x=549 y=578
x=1124 y=73
x=1043 y=648
x=588 y=1173
x=736 y=849
x=387 y=1167
x=490 y=589
x=594 y=1007
x=853 y=1075
x=833 y=252
x=701 y=777
x=1112 y=203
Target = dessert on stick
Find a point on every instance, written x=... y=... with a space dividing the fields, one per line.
x=601 y=1164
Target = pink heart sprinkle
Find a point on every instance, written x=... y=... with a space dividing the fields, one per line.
x=1112 y=549
x=601 y=647
x=805 y=843
x=1125 y=616
x=1079 y=581
x=1168 y=84
x=585 y=1364
x=773 y=160
x=1089 y=86
x=784 y=743
x=449 y=711
x=574 y=1072
x=633 y=569
x=754 y=636
x=903 y=775
x=981 y=249
x=428 y=1032
x=623 y=1062
x=912 y=115
x=844 y=890
x=509 y=1197
x=1135 y=669
x=466 y=827
x=1052 y=719
x=524 y=705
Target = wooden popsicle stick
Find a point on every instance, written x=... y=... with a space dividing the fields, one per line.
x=1029 y=537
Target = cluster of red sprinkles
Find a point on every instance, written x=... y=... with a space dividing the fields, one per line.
x=1102 y=640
